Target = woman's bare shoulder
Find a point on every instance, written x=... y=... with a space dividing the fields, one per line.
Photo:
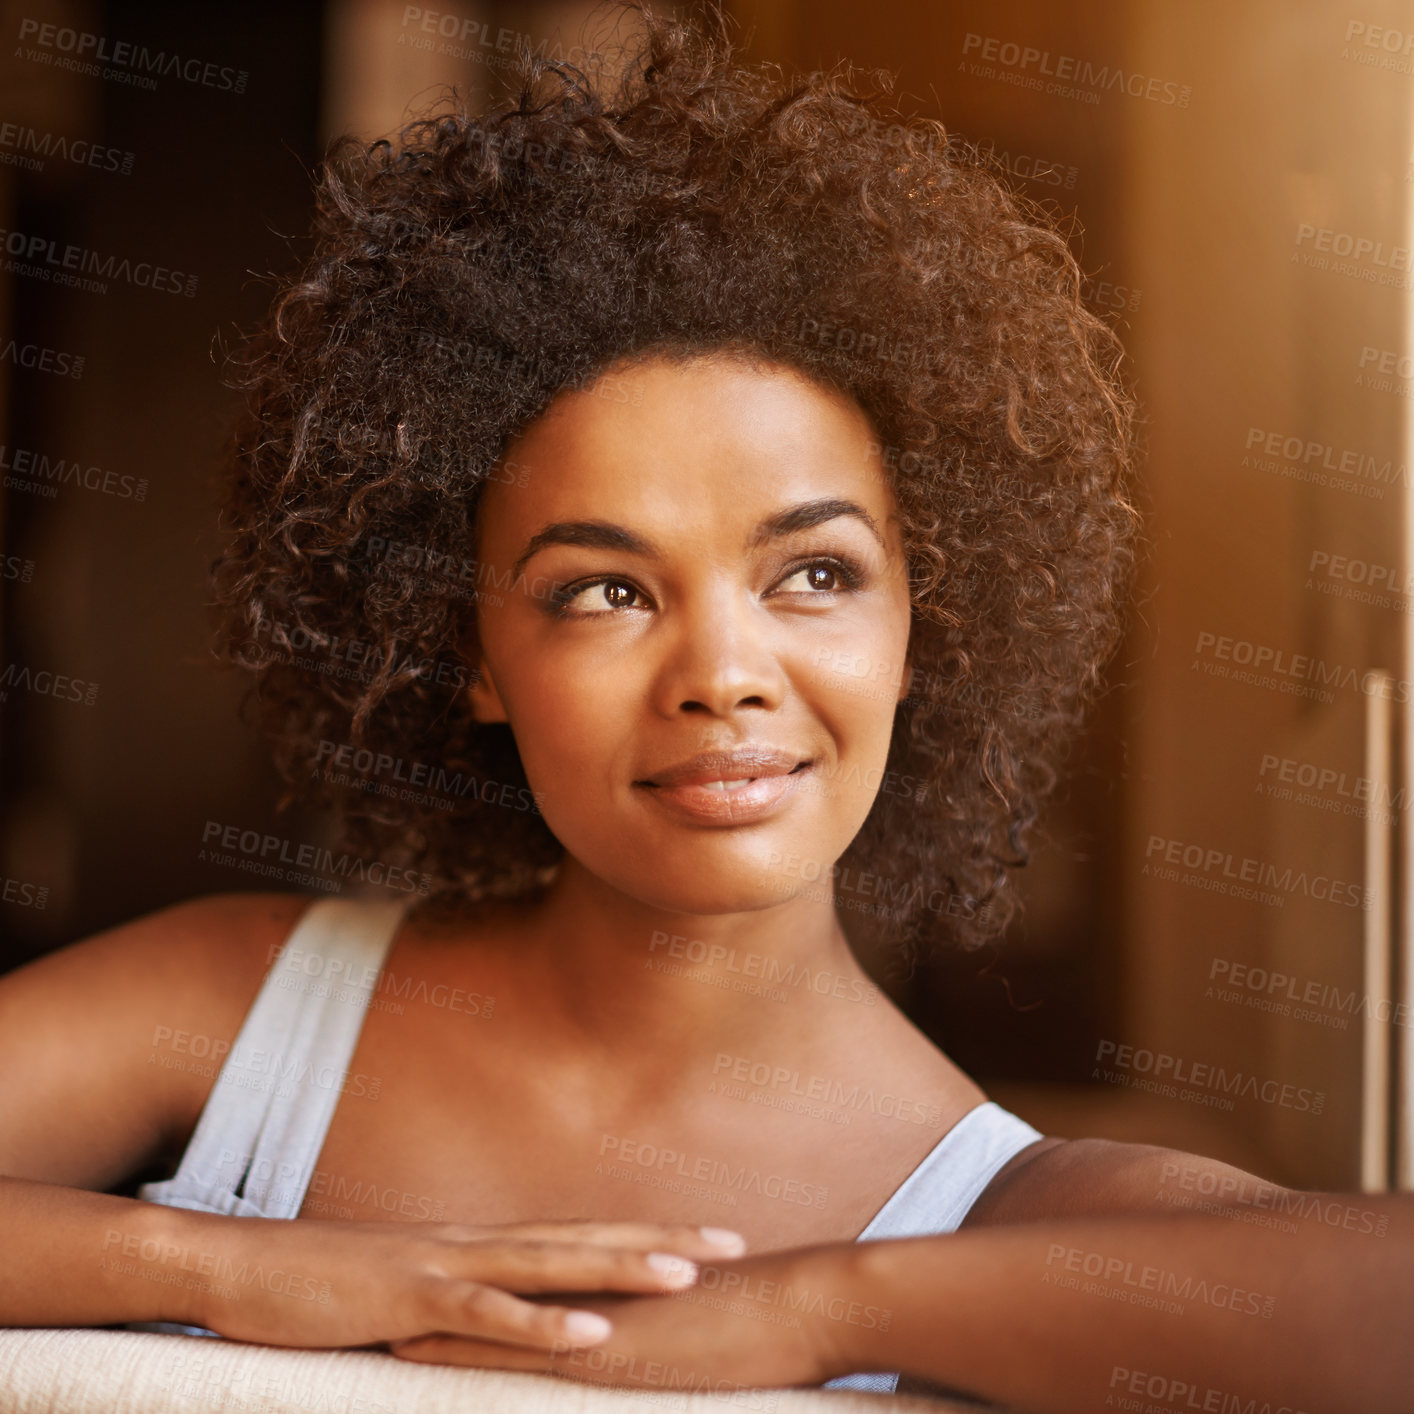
x=213 y=948
x=114 y=1028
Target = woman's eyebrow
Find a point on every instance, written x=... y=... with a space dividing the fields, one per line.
x=605 y=535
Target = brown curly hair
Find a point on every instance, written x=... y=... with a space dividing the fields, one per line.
x=465 y=274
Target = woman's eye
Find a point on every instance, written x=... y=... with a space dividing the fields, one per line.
x=820 y=576
x=613 y=594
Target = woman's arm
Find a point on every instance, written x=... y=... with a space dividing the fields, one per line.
x=73 y=1258
x=1177 y=1311
x=60 y=1267
x=1189 y=1311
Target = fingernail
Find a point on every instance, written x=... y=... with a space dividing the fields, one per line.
x=724 y=1237
x=678 y=1270
x=586 y=1326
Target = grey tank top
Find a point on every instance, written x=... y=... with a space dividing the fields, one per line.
x=255 y=1147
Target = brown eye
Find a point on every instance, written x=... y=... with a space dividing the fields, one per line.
x=616 y=594
x=823 y=577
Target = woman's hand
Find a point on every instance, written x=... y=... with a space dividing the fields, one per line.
x=785 y=1318
x=340 y=1284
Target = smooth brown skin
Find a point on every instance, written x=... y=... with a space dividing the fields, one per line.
x=1314 y=1321
x=504 y=1120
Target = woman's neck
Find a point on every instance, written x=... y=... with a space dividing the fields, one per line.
x=642 y=981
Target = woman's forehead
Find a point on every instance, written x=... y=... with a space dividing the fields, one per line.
x=695 y=432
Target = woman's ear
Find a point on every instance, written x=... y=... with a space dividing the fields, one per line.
x=481 y=693
x=907 y=671
x=486 y=705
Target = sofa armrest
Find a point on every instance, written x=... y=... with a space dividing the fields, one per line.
x=98 y=1371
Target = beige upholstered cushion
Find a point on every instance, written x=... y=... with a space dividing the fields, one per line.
x=82 y=1371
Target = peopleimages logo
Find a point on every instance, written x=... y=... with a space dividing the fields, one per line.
x=1065 y=67
x=26 y=147
x=1260 y=873
x=782 y=1082
x=1265 y=661
x=39 y=359
x=87 y=53
x=1171 y=1288
x=764 y=966
x=28 y=470
x=1175 y=1070
x=1310 y=456
x=35 y=254
x=45 y=683
x=1178 y=1394
x=704 y=1169
x=259 y=852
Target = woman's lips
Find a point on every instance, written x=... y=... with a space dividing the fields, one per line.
x=711 y=804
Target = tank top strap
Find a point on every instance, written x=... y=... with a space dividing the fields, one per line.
x=254 y=1147
x=936 y=1196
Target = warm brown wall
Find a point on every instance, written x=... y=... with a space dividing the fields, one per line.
x=105 y=805
x=1285 y=129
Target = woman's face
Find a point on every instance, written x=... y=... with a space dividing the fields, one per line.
x=690 y=558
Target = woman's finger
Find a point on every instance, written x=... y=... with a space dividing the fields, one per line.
x=712 y=1242
x=473 y=1309
x=531 y=1266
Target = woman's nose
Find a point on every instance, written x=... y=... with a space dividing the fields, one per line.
x=719 y=656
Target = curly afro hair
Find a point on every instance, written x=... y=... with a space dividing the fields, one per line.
x=464 y=274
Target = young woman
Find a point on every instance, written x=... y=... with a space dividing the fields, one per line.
x=667 y=528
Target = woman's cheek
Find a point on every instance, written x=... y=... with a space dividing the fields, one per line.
x=572 y=729
x=854 y=691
